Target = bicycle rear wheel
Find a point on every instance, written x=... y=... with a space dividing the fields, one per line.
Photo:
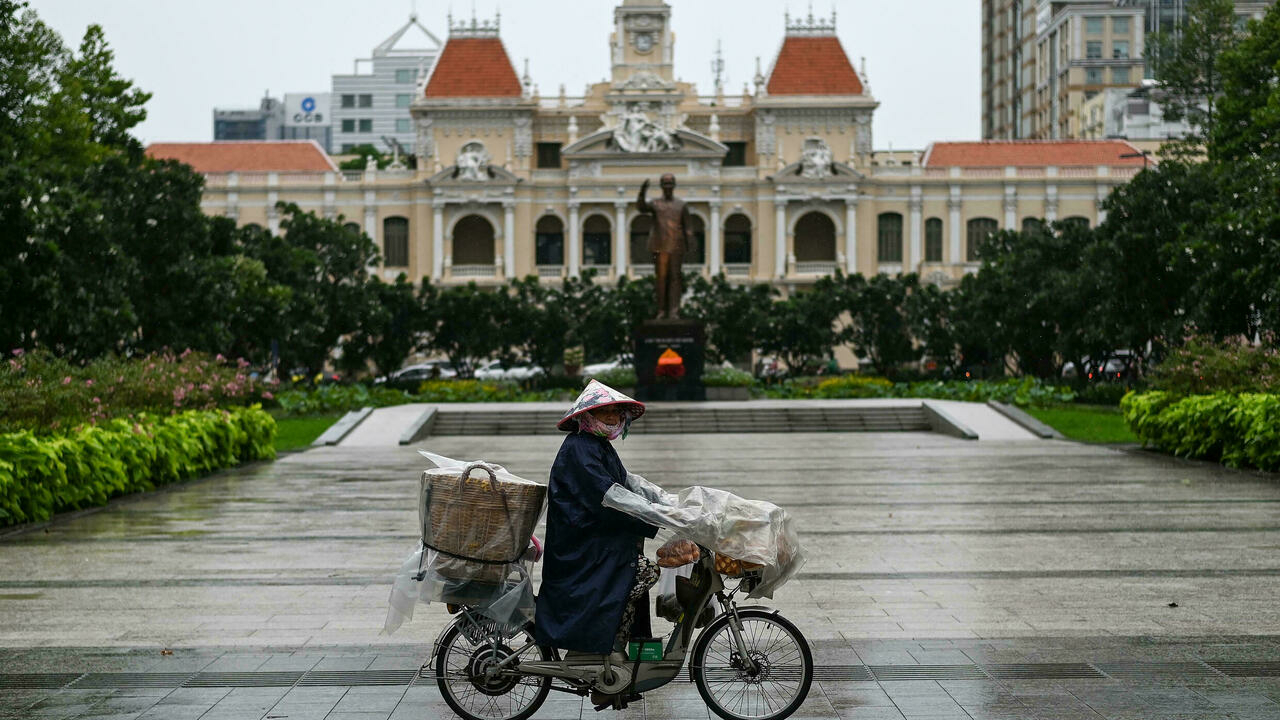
x=779 y=681
x=461 y=661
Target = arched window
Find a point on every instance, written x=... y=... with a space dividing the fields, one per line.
x=354 y=227
x=639 y=235
x=473 y=241
x=596 y=241
x=933 y=240
x=395 y=242
x=549 y=241
x=979 y=230
x=696 y=253
x=815 y=238
x=255 y=227
x=737 y=240
x=889 y=238
x=1077 y=221
x=1029 y=224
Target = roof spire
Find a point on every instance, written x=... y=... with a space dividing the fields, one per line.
x=810 y=25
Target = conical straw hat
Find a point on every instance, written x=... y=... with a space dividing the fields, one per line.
x=595 y=395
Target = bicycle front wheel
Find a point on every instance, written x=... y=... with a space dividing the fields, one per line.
x=772 y=686
x=462 y=660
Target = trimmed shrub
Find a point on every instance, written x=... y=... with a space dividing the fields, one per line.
x=1238 y=430
x=727 y=377
x=853 y=386
x=616 y=378
x=40 y=476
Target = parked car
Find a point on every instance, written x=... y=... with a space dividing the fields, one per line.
x=619 y=361
x=1117 y=366
x=518 y=372
x=410 y=377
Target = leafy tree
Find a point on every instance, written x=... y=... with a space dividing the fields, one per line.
x=1249 y=108
x=1186 y=63
x=735 y=315
x=881 y=330
x=390 y=328
x=801 y=329
x=326 y=268
x=931 y=321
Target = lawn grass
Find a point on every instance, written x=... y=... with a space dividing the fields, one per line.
x=297 y=433
x=1087 y=423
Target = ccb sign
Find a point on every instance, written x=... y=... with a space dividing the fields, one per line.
x=310 y=109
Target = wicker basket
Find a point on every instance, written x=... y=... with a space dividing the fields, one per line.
x=478 y=525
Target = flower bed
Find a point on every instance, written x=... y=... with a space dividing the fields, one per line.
x=1239 y=430
x=44 y=474
x=47 y=394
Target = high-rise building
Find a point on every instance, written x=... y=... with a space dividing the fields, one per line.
x=373 y=103
x=260 y=123
x=1043 y=59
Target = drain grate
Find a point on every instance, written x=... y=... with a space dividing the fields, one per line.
x=1247 y=669
x=1158 y=670
x=130 y=680
x=358 y=677
x=1043 y=671
x=841 y=673
x=36 y=681
x=891 y=673
x=244 y=679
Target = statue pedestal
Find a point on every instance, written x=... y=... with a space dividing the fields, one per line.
x=685 y=340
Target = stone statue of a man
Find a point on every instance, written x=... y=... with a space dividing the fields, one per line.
x=669 y=239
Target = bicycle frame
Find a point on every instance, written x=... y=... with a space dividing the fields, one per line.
x=635 y=676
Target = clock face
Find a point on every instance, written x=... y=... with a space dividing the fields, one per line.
x=644 y=42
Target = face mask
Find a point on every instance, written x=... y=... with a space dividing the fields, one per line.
x=591 y=424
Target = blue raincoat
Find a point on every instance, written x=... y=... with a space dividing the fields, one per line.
x=590 y=561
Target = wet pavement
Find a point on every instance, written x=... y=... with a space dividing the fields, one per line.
x=947 y=579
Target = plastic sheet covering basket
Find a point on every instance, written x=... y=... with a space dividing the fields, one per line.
x=477 y=522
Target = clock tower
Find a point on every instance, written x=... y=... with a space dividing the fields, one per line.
x=642 y=44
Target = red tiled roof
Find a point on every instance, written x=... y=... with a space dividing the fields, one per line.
x=813 y=66
x=473 y=67
x=1005 y=153
x=247 y=156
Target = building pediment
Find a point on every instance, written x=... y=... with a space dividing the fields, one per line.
x=799 y=172
x=612 y=144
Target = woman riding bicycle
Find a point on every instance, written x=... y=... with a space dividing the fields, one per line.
x=595 y=578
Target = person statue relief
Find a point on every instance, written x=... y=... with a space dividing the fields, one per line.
x=670 y=237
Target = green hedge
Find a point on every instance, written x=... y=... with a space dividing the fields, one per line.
x=42 y=475
x=1239 y=430
x=1026 y=392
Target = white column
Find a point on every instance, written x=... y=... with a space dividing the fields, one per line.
x=780 y=238
x=916 y=205
x=575 y=234
x=954 y=206
x=851 y=235
x=1010 y=207
x=621 y=251
x=713 y=250
x=509 y=239
x=437 y=240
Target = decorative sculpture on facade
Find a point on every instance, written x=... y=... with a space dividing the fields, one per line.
x=815 y=162
x=473 y=162
x=638 y=134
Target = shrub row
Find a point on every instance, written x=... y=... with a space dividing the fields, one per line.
x=1239 y=430
x=1025 y=392
x=344 y=398
x=42 y=392
x=42 y=475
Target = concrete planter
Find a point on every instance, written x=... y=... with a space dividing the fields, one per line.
x=728 y=393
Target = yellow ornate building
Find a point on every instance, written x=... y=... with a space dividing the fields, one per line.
x=782 y=181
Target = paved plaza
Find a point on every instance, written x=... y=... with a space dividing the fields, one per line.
x=946 y=579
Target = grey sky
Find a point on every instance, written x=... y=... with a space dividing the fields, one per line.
x=922 y=55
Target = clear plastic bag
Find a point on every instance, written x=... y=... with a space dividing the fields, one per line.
x=754 y=531
x=476 y=529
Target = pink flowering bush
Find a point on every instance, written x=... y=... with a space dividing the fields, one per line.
x=44 y=393
x=1201 y=365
